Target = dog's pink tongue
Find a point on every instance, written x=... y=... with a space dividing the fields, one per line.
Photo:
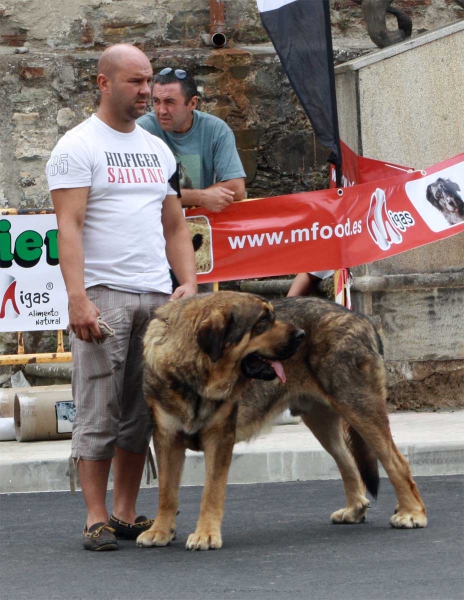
x=278 y=368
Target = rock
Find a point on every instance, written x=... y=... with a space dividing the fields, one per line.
x=65 y=117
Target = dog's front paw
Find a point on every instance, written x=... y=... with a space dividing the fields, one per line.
x=156 y=537
x=204 y=540
x=351 y=514
x=403 y=519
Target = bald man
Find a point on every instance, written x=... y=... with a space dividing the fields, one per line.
x=120 y=226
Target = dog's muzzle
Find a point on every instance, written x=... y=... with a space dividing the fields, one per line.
x=256 y=366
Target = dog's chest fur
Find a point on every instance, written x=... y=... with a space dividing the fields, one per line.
x=196 y=417
x=178 y=408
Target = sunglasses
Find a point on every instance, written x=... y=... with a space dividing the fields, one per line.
x=179 y=73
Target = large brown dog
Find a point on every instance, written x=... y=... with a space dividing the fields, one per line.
x=212 y=378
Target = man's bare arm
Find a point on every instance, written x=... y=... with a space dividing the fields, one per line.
x=179 y=247
x=215 y=197
x=70 y=206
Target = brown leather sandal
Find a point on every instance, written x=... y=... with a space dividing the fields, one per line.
x=130 y=531
x=100 y=536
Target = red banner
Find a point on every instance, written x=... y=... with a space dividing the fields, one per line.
x=385 y=210
x=359 y=169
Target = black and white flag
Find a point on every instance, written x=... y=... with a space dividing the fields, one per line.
x=301 y=34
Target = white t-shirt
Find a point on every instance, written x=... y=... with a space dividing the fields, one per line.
x=128 y=175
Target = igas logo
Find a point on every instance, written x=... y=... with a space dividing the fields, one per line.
x=8 y=306
x=385 y=226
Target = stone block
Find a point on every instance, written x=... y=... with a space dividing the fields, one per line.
x=80 y=35
x=240 y=72
x=186 y=24
x=31 y=96
x=421 y=324
x=28 y=73
x=8 y=343
x=221 y=112
x=33 y=182
x=265 y=79
x=67 y=74
x=22 y=120
x=246 y=139
x=414 y=3
x=292 y=153
x=26 y=180
x=34 y=145
x=65 y=117
x=426 y=385
x=16 y=39
x=426 y=259
x=120 y=32
x=249 y=160
x=66 y=83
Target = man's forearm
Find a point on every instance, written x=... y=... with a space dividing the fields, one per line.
x=180 y=255
x=70 y=207
x=71 y=255
x=191 y=197
x=195 y=197
x=234 y=185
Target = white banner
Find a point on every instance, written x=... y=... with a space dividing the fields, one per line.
x=32 y=291
x=265 y=5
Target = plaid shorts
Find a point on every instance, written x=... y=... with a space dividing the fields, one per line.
x=107 y=378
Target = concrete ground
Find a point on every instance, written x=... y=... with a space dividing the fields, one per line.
x=279 y=544
x=432 y=442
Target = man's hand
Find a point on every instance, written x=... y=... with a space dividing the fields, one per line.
x=184 y=291
x=216 y=198
x=83 y=316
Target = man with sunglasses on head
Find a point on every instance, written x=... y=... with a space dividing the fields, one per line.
x=211 y=174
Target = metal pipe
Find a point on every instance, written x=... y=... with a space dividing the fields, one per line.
x=217 y=23
x=43 y=414
x=369 y=283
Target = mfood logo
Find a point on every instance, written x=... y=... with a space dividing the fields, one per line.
x=8 y=307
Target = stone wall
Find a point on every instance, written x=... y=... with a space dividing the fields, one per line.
x=44 y=94
x=52 y=87
x=71 y=24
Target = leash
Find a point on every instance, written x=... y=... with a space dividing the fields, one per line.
x=151 y=467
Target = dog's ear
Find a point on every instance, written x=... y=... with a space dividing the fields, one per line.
x=212 y=332
x=237 y=325
x=430 y=195
x=452 y=186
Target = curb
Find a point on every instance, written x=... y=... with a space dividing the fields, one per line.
x=248 y=466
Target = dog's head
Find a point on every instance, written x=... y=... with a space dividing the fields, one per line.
x=443 y=194
x=212 y=340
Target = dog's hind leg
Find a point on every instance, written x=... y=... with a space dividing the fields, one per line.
x=371 y=422
x=170 y=457
x=328 y=427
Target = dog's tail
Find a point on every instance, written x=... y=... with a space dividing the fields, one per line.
x=365 y=460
